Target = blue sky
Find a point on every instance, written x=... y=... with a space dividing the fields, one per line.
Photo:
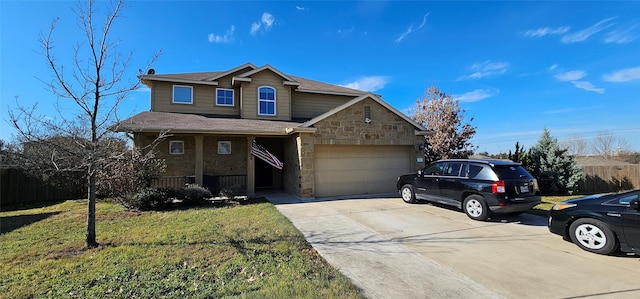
x=516 y=67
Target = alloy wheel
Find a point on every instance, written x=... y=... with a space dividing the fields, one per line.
x=590 y=236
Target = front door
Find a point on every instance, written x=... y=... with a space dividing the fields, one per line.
x=631 y=223
x=427 y=182
x=264 y=175
x=450 y=184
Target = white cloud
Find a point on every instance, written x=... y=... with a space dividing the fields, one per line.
x=486 y=69
x=265 y=23
x=570 y=75
x=345 y=31
x=298 y=7
x=371 y=83
x=476 y=95
x=574 y=77
x=623 y=36
x=540 y=32
x=226 y=38
x=267 y=20
x=587 y=86
x=571 y=110
x=553 y=67
x=584 y=34
x=624 y=75
x=411 y=29
x=254 y=28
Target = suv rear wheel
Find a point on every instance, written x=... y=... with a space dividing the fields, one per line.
x=407 y=194
x=475 y=207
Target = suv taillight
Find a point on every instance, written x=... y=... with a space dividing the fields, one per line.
x=498 y=187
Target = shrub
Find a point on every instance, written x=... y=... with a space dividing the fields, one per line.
x=229 y=194
x=194 y=194
x=128 y=173
x=146 y=199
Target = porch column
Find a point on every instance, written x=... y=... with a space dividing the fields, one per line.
x=199 y=158
x=251 y=170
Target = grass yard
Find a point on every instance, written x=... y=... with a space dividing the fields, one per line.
x=247 y=251
x=547 y=203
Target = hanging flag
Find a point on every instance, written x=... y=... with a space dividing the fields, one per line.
x=262 y=153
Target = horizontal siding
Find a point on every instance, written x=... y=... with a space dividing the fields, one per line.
x=203 y=100
x=310 y=105
x=250 y=96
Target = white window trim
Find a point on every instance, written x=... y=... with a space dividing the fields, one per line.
x=224 y=147
x=171 y=143
x=275 y=107
x=233 y=100
x=173 y=95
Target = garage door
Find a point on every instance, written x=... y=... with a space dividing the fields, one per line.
x=348 y=170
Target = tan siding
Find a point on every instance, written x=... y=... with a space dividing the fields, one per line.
x=250 y=96
x=310 y=105
x=203 y=100
x=153 y=97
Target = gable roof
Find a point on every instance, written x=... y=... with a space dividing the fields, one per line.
x=231 y=71
x=210 y=78
x=374 y=97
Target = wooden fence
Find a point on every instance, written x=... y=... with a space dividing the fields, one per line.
x=598 y=179
x=17 y=187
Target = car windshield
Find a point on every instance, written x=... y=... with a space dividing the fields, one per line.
x=512 y=172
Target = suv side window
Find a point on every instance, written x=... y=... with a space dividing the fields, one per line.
x=434 y=169
x=453 y=169
x=512 y=172
x=481 y=172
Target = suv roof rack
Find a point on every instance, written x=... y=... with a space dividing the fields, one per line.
x=491 y=162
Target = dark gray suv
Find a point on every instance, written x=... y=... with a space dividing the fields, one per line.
x=479 y=187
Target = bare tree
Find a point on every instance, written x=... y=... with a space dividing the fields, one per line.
x=442 y=115
x=607 y=144
x=94 y=84
x=576 y=145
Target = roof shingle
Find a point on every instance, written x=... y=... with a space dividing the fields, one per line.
x=151 y=121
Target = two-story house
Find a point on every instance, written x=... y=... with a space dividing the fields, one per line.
x=331 y=140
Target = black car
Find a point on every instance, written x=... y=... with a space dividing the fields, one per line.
x=599 y=223
x=479 y=187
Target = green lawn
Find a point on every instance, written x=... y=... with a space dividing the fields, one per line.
x=248 y=251
x=547 y=204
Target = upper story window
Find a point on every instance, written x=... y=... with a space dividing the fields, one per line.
x=266 y=100
x=182 y=94
x=224 y=97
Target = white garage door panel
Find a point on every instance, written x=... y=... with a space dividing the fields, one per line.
x=348 y=170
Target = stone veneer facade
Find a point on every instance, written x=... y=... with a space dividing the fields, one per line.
x=347 y=127
x=297 y=151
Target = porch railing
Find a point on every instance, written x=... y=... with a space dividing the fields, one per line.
x=173 y=182
x=215 y=183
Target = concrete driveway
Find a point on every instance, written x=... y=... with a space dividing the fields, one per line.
x=395 y=250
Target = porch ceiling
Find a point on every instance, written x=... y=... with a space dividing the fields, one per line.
x=151 y=121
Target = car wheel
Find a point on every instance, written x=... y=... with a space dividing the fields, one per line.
x=593 y=235
x=475 y=207
x=407 y=194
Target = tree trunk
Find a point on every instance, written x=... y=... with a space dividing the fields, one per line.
x=91 y=215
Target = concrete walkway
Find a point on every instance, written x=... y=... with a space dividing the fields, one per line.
x=379 y=266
